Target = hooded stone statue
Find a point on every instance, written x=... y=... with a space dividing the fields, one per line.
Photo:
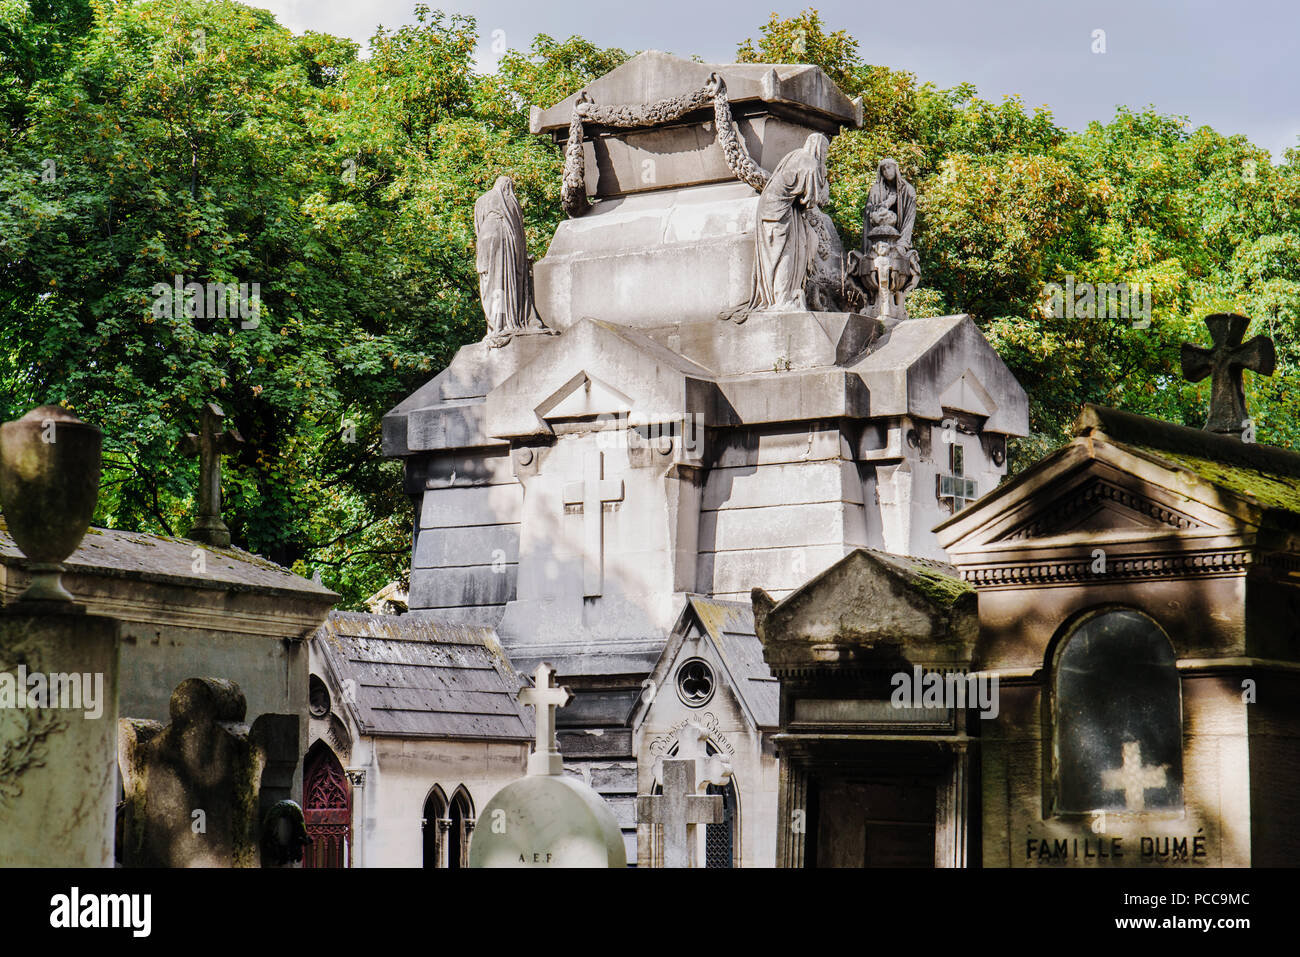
x=505 y=280
x=785 y=238
x=893 y=193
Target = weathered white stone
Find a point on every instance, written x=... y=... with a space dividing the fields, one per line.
x=471 y=505
x=828 y=480
x=453 y=545
x=463 y=586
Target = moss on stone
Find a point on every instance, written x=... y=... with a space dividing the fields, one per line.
x=1273 y=491
x=937 y=587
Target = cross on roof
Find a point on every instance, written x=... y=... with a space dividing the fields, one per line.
x=678 y=810
x=1134 y=778
x=592 y=493
x=210 y=444
x=1225 y=361
x=545 y=697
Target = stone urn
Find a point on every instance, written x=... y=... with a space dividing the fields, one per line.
x=49 y=482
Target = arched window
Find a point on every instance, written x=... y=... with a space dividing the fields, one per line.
x=326 y=808
x=1117 y=742
x=435 y=814
x=461 y=813
x=720 y=839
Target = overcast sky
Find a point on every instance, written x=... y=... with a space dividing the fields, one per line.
x=1234 y=66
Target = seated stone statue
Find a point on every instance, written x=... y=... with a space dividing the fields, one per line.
x=505 y=276
x=888 y=268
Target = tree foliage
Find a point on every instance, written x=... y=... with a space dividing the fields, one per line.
x=142 y=144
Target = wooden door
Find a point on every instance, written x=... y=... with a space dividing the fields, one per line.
x=327 y=809
x=884 y=821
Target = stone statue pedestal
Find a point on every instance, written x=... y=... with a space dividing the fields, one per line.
x=694 y=247
x=58 y=759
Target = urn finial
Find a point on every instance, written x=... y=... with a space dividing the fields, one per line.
x=49 y=483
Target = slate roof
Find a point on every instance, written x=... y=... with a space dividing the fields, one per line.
x=164 y=559
x=730 y=624
x=419 y=677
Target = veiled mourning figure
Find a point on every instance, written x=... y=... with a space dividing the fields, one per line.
x=785 y=237
x=887 y=268
x=505 y=276
x=891 y=193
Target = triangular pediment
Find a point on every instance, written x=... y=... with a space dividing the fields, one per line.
x=924 y=366
x=584 y=396
x=1098 y=505
x=967 y=394
x=596 y=368
x=1093 y=493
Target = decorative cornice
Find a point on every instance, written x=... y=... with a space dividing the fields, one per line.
x=1118 y=568
x=1093 y=493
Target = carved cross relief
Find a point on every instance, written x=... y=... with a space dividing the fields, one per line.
x=591 y=493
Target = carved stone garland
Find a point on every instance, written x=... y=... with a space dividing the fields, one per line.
x=574 y=190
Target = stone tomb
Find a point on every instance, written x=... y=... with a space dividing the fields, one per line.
x=193 y=786
x=1139 y=600
x=711 y=681
x=573 y=488
x=869 y=777
x=547 y=819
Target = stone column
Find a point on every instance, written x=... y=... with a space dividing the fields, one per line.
x=356 y=852
x=951 y=812
x=444 y=830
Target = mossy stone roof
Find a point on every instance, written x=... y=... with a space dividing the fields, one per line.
x=1263 y=473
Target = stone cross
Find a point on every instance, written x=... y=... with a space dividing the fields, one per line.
x=592 y=493
x=709 y=768
x=1224 y=361
x=678 y=810
x=203 y=768
x=1134 y=778
x=545 y=697
x=210 y=444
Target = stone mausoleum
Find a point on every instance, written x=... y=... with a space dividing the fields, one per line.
x=696 y=392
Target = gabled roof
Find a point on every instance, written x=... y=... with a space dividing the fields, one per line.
x=418 y=677
x=729 y=627
x=870 y=606
x=922 y=365
x=614 y=360
x=1264 y=473
x=1133 y=477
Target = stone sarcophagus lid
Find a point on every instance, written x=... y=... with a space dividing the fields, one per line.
x=671 y=233
x=774 y=108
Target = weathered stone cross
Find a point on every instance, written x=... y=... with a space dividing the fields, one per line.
x=592 y=493
x=210 y=444
x=1134 y=778
x=678 y=810
x=545 y=697
x=1225 y=361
